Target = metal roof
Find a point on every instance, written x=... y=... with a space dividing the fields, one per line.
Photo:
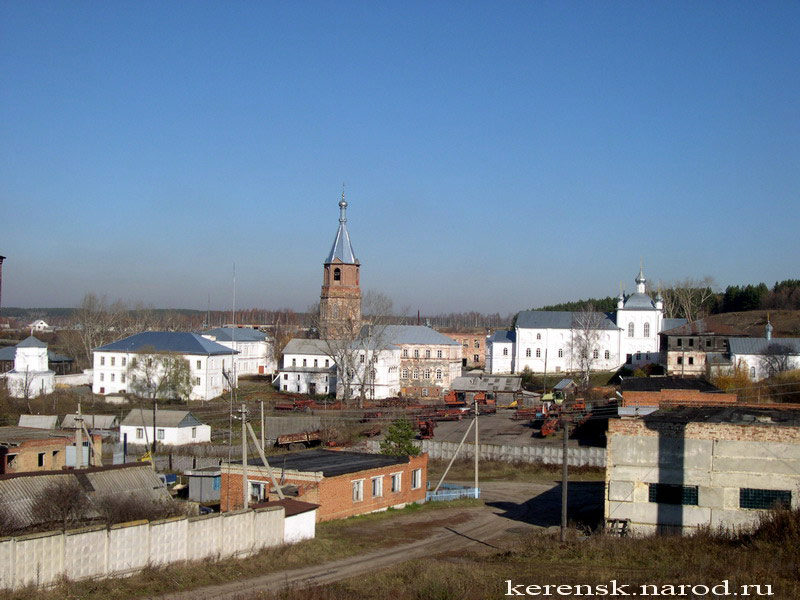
x=38 y=421
x=342 y=249
x=761 y=346
x=700 y=326
x=558 y=319
x=656 y=384
x=18 y=491
x=671 y=324
x=31 y=342
x=417 y=335
x=564 y=384
x=90 y=421
x=503 y=336
x=139 y=417
x=9 y=353
x=303 y=346
x=737 y=415
x=639 y=301
x=487 y=383
x=181 y=342
x=290 y=506
x=14 y=436
x=329 y=462
x=234 y=334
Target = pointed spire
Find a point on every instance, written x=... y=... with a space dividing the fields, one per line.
x=342 y=249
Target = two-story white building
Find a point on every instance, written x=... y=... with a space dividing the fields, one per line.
x=308 y=368
x=545 y=341
x=209 y=362
x=256 y=355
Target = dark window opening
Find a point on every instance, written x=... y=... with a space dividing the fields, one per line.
x=691 y=341
x=680 y=341
x=765 y=499
x=40 y=461
x=337 y=274
x=669 y=493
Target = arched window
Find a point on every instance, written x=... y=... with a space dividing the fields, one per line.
x=647 y=330
x=560 y=353
x=538 y=336
x=607 y=355
x=596 y=354
x=438 y=374
x=427 y=353
x=630 y=329
x=337 y=274
x=528 y=352
x=404 y=374
x=505 y=351
x=538 y=353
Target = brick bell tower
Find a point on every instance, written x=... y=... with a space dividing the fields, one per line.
x=340 y=301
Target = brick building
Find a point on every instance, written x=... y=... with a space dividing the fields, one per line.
x=27 y=450
x=473 y=346
x=343 y=484
x=674 y=471
x=657 y=391
x=688 y=347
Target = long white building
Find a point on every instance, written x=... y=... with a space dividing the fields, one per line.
x=208 y=361
x=255 y=350
x=544 y=341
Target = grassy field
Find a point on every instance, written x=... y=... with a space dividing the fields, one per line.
x=334 y=539
x=490 y=470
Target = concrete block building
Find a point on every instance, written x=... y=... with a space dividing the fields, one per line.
x=29 y=450
x=343 y=484
x=674 y=471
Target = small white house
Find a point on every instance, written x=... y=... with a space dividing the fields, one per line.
x=31 y=375
x=209 y=362
x=39 y=325
x=307 y=368
x=173 y=427
x=256 y=350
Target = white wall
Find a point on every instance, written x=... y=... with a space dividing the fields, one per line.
x=300 y=527
x=756 y=368
x=173 y=436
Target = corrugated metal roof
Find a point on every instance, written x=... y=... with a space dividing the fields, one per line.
x=38 y=421
x=90 y=421
x=164 y=418
x=558 y=319
x=302 y=346
x=19 y=491
x=565 y=384
x=181 y=342
x=487 y=383
x=761 y=346
x=417 y=335
x=234 y=334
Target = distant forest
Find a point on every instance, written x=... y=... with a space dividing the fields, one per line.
x=784 y=295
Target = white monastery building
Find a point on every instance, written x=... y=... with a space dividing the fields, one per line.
x=543 y=340
x=114 y=363
x=31 y=375
x=255 y=349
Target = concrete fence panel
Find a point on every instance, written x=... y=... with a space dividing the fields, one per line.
x=128 y=547
x=7 y=563
x=203 y=537
x=85 y=552
x=38 y=558
x=268 y=525
x=237 y=532
x=168 y=541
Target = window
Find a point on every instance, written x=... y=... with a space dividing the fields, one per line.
x=475 y=358
x=139 y=433
x=680 y=341
x=40 y=459
x=112 y=360
x=10 y=459
x=538 y=353
x=315 y=363
x=538 y=336
x=258 y=490
x=647 y=356
x=427 y=374
x=560 y=353
x=752 y=372
x=194 y=432
x=596 y=354
x=102 y=377
x=427 y=353
x=415 y=374
x=358 y=490
x=197 y=381
x=691 y=342
x=465 y=343
x=199 y=365
x=159 y=434
x=691 y=360
x=285 y=376
x=294 y=362
x=337 y=274
x=505 y=351
x=102 y=361
x=361 y=359
x=327 y=362
x=438 y=374
x=638 y=356
x=405 y=352
x=397 y=482
x=527 y=352
x=285 y=388
x=112 y=377
x=708 y=343
x=680 y=360
x=630 y=329
x=764 y=499
x=647 y=330
x=374 y=359
x=438 y=354
x=377 y=487
x=122 y=377
x=607 y=355
x=668 y=493
x=305 y=362
x=416 y=353
x=477 y=344
x=404 y=374
x=124 y=361
x=416 y=479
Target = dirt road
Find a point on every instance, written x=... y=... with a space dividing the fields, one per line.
x=510 y=507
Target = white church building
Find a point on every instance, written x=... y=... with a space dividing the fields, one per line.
x=543 y=341
x=31 y=375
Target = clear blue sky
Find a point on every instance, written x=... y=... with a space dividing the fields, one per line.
x=497 y=155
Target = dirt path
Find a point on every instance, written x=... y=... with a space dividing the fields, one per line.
x=513 y=503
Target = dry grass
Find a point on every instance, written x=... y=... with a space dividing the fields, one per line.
x=491 y=470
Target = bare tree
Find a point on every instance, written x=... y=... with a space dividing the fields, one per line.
x=585 y=341
x=22 y=387
x=776 y=359
x=62 y=502
x=95 y=323
x=155 y=375
x=131 y=507
x=689 y=298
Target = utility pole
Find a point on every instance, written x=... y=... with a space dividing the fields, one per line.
x=477 y=447
x=153 y=449
x=262 y=423
x=564 y=472
x=245 y=486
x=79 y=439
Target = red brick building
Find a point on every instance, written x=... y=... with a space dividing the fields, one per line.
x=657 y=391
x=473 y=346
x=343 y=484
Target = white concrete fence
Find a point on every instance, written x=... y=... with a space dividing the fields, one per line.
x=545 y=454
x=44 y=559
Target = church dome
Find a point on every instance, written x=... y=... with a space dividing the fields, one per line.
x=639 y=301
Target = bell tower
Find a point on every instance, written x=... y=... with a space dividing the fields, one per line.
x=340 y=300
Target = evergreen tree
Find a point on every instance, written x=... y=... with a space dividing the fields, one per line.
x=399 y=439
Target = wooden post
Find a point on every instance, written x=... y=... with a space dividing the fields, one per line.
x=245 y=486
x=564 y=475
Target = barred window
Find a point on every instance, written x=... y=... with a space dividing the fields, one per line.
x=607 y=355
x=528 y=352
x=538 y=353
x=756 y=498
x=669 y=493
x=630 y=329
x=560 y=353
